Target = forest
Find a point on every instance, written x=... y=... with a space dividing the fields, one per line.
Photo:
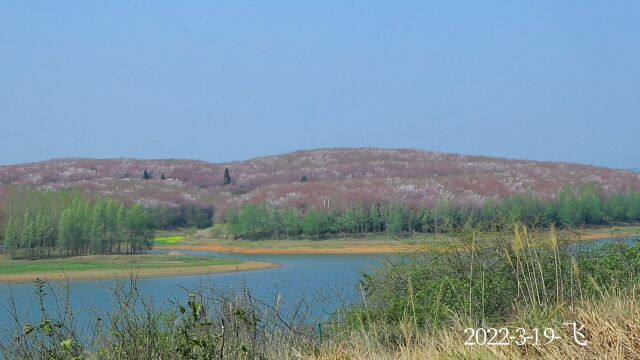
x=42 y=224
x=571 y=207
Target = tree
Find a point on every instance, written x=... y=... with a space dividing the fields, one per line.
x=233 y=221
x=375 y=218
x=40 y=222
x=276 y=225
x=633 y=206
x=254 y=221
x=304 y=178
x=427 y=221
x=10 y=237
x=65 y=231
x=140 y=229
x=590 y=205
x=227 y=177
x=291 y=220
x=146 y=175
x=397 y=219
x=314 y=223
x=616 y=208
x=122 y=227
x=348 y=223
x=162 y=177
x=99 y=228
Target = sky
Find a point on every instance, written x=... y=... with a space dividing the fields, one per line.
x=223 y=81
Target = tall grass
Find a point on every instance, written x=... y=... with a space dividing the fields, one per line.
x=612 y=321
x=420 y=308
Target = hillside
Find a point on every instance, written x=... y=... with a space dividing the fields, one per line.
x=336 y=177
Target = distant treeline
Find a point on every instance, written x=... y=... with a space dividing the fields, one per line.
x=185 y=217
x=64 y=223
x=570 y=208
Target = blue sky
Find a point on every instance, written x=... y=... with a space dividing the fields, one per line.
x=220 y=81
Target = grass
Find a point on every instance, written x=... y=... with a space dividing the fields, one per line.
x=608 y=232
x=110 y=266
x=109 y=262
x=168 y=240
x=421 y=310
x=611 y=320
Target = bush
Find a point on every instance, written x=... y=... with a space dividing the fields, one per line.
x=493 y=278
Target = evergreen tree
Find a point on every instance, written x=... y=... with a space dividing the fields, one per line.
x=304 y=178
x=227 y=177
x=162 y=177
x=146 y=175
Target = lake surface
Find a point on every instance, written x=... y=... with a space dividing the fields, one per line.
x=324 y=281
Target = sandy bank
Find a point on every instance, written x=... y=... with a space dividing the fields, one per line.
x=360 y=249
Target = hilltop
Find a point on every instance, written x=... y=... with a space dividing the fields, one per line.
x=334 y=178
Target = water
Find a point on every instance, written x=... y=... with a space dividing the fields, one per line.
x=325 y=281
x=595 y=245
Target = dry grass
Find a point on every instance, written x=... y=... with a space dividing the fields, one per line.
x=612 y=325
x=610 y=316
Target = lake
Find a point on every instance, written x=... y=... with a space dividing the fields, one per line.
x=324 y=281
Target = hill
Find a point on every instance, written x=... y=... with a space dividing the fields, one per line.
x=335 y=178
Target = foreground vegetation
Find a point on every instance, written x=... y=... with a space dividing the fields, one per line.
x=413 y=307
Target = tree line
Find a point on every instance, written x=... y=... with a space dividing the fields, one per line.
x=186 y=217
x=571 y=207
x=41 y=224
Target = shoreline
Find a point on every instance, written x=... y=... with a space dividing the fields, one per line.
x=347 y=250
x=60 y=275
x=351 y=249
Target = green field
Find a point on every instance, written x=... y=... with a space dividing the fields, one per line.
x=168 y=240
